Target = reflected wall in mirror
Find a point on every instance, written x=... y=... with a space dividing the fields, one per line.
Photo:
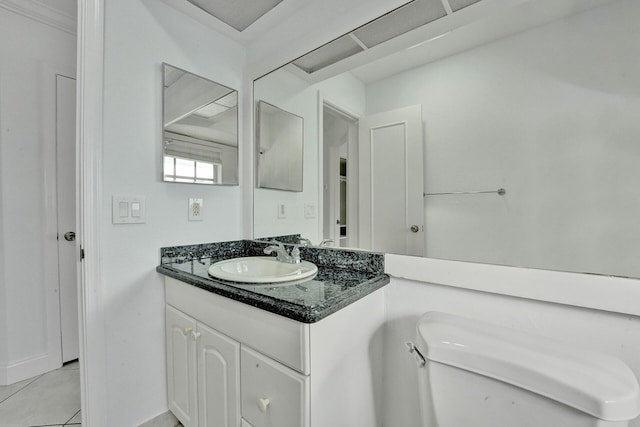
x=200 y=129
x=540 y=98
x=279 y=144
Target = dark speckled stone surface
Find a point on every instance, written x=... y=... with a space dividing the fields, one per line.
x=344 y=276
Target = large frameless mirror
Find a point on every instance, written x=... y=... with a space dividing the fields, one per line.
x=492 y=132
x=200 y=129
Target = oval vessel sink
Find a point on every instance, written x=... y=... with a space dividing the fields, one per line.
x=261 y=269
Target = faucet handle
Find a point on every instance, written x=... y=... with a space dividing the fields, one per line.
x=269 y=249
x=295 y=255
x=304 y=242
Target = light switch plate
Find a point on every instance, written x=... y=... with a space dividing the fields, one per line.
x=128 y=210
x=195 y=209
x=282 y=210
x=310 y=210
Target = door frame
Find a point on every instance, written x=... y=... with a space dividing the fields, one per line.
x=352 y=169
x=89 y=140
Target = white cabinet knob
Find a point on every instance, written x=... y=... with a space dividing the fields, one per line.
x=263 y=404
x=187 y=330
x=195 y=335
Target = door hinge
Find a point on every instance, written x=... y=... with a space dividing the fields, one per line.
x=81 y=253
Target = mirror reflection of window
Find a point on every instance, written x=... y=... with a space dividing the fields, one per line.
x=191 y=171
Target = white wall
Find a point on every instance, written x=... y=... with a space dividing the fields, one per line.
x=139 y=36
x=31 y=54
x=406 y=300
x=550 y=114
x=285 y=90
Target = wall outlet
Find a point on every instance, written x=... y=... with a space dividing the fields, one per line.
x=282 y=210
x=195 y=209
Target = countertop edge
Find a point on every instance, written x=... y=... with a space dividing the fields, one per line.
x=273 y=305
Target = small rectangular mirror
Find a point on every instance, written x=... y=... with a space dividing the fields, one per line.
x=200 y=129
x=279 y=144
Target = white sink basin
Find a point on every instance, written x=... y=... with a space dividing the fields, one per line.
x=261 y=269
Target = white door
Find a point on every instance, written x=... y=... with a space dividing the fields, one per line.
x=391 y=212
x=66 y=205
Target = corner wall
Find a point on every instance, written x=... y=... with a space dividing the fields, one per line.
x=139 y=36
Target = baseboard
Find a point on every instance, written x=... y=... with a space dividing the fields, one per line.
x=166 y=419
x=27 y=368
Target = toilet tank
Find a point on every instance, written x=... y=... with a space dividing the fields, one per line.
x=477 y=374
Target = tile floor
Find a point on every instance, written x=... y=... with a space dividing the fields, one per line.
x=51 y=399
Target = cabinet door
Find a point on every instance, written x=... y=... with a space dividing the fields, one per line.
x=272 y=394
x=181 y=366
x=218 y=379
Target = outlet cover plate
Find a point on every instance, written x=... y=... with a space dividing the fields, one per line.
x=195 y=209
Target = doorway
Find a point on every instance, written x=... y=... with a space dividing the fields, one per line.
x=339 y=186
x=391 y=182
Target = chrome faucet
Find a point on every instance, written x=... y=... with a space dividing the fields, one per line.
x=281 y=253
x=326 y=242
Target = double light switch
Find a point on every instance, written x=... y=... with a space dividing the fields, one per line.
x=129 y=210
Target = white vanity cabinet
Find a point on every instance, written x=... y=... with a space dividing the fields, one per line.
x=203 y=373
x=233 y=365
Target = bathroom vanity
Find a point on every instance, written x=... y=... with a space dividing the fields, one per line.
x=301 y=354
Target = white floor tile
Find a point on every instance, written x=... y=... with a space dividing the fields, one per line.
x=8 y=390
x=52 y=399
x=77 y=419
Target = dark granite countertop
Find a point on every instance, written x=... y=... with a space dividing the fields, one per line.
x=344 y=276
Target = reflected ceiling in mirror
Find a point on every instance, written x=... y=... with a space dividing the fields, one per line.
x=200 y=129
x=539 y=98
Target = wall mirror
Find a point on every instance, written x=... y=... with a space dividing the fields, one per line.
x=200 y=129
x=279 y=148
x=526 y=147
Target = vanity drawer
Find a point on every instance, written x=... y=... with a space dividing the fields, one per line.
x=272 y=394
x=282 y=339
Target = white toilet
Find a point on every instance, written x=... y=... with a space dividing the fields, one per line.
x=474 y=374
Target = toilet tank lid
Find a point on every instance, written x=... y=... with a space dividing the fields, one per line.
x=597 y=384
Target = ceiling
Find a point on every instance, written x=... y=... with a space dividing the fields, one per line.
x=408 y=17
x=243 y=21
x=412 y=34
x=238 y=14
x=474 y=28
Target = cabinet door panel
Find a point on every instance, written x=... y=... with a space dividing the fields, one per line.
x=218 y=379
x=181 y=367
x=272 y=394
